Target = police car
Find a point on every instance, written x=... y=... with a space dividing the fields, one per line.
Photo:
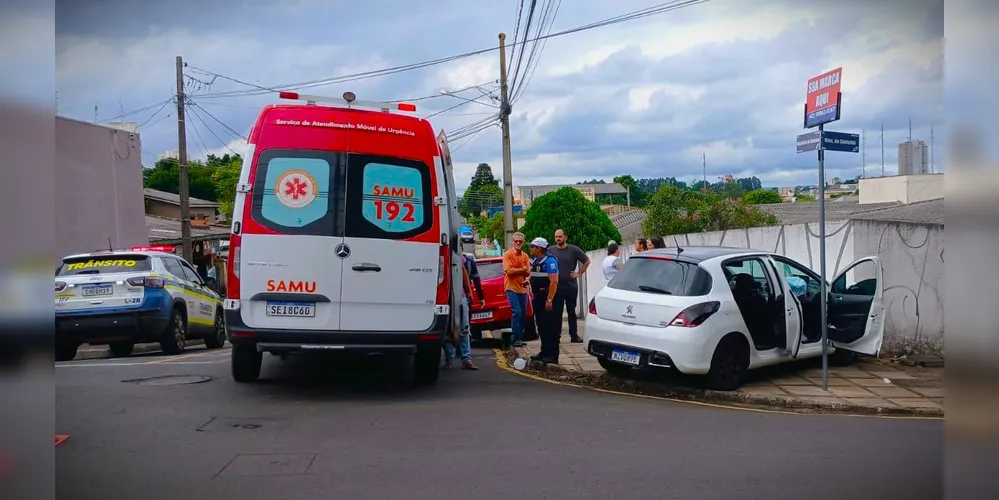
x=121 y=298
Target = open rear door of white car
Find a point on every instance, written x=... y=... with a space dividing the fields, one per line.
x=790 y=312
x=856 y=307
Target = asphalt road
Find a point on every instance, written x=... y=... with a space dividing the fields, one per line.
x=321 y=428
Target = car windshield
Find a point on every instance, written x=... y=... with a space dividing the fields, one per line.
x=662 y=276
x=103 y=264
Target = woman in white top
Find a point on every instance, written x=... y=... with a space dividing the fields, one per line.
x=612 y=262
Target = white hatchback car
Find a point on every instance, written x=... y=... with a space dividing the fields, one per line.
x=720 y=311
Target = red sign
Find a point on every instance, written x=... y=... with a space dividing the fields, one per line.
x=822 y=98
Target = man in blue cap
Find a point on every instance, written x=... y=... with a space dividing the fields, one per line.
x=544 y=286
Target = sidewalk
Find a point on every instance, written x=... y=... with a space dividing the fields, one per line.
x=869 y=386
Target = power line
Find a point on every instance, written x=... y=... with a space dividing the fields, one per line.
x=527 y=33
x=529 y=75
x=194 y=108
x=198 y=134
x=151 y=106
x=165 y=104
x=516 y=31
x=220 y=122
x=261 y=90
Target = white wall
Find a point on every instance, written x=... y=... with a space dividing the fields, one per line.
x=902 y=188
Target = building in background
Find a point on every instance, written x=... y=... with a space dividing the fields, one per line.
x=98 y=188
x=913 y=158
x=591 y=192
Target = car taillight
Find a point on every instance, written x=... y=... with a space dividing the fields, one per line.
x=59 y=285
x=232 y=280
x=695 y=314
x=148 y=282
x=593 y=306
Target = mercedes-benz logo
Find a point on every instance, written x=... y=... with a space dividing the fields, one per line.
x=342 y=251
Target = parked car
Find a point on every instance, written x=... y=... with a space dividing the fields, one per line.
x=495 y=315
x=467 y=235
x=121 y=298
x=721 y=311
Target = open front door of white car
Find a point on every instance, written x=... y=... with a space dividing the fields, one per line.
x=856 y=307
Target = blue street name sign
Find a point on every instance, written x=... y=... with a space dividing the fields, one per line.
x=808 y=141
x=828 y=141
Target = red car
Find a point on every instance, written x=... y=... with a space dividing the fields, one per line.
x=496 y=313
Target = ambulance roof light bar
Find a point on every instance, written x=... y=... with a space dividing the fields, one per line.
x=349 y=100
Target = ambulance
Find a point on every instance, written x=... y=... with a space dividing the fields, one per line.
x=344 y=236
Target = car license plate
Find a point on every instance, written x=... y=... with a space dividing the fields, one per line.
x=482 y=315
x=98 y=290
x=292 y=309
x=626 y=357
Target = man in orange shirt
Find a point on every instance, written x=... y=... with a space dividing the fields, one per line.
x=516 y=272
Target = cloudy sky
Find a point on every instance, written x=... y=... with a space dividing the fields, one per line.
x=647 y=97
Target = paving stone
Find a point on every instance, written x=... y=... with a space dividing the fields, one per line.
x=792 y=380
x=868 y=382
x=892 y=375
x=893 y=392
x=930 y=392
x=764 y=390
x=850 y=392
x=801 y=390
x=916 y=403
x=833 y=381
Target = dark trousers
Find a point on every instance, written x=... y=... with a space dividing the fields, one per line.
x=549 y=323
x=567 y=298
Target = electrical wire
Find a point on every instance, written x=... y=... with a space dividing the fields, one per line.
x=190 y=126
x=523 y=48
x=170 y=101
x=151 y=106
x=261 y=90
x=516 y=32
x=220 y=122
x=194 y=108
x=529 y=74
x=470 y=139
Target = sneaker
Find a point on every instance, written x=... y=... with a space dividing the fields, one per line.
x=537 y=357
x=448 y=365
x=576 y=340
x=518 y=344
x=468 y=365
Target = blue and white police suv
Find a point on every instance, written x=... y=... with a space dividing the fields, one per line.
x=121 y=298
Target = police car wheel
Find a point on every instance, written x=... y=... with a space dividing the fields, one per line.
x=121 y=349
x=175 y=337
x=217 y=337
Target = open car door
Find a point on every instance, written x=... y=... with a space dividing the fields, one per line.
x=789 y=318
x=856 y=307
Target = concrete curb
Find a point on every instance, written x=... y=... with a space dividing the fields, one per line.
x=103 y=351
x=607 y=382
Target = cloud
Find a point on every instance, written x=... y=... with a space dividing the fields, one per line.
x=724 y=79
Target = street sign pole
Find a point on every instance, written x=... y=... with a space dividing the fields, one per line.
x=822 y=263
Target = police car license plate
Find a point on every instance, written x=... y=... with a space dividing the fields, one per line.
x=292 y=309
x=98 y=290
x=626 y=357
x=482 y=315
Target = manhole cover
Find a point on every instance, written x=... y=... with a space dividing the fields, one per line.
x=170 y=380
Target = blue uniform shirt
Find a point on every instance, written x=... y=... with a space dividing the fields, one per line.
x=544 y=266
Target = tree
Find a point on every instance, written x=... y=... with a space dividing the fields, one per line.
x=165 y=176
x=634 y=192
x=676 y=211
x=473 y=202
x=587 y=226
x=226 y=177
x=483 y=177
x=761 y=196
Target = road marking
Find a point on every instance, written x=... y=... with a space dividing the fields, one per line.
x=185 y=356
x=98 y=365
x=502 y=363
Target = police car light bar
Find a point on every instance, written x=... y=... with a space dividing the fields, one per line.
x=349 y=100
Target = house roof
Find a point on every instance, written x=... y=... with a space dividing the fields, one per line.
x=629 y=224
x=609 y=188
x=174 y=199
x=163 y=230
x=922 y=212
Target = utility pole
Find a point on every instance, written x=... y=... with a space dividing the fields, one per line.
x=863 y=153
x=629 y=196
x=504 y=115
x=704 y=169
x=185 y=199
x=910 y=129
x=932 y=152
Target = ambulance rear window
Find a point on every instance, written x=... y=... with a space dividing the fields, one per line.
x=296 y=192
x=109 y=264
x=388 y=197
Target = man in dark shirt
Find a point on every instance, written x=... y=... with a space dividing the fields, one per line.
x=569 y=256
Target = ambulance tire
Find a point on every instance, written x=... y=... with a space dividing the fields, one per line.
x=426 y=365
x=65 y=350
x=246 y=361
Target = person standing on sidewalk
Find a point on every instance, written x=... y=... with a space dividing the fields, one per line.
x=544 y=286
x=465 y=335
x=569 y=256
x=516 y=274
x=612 y=262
